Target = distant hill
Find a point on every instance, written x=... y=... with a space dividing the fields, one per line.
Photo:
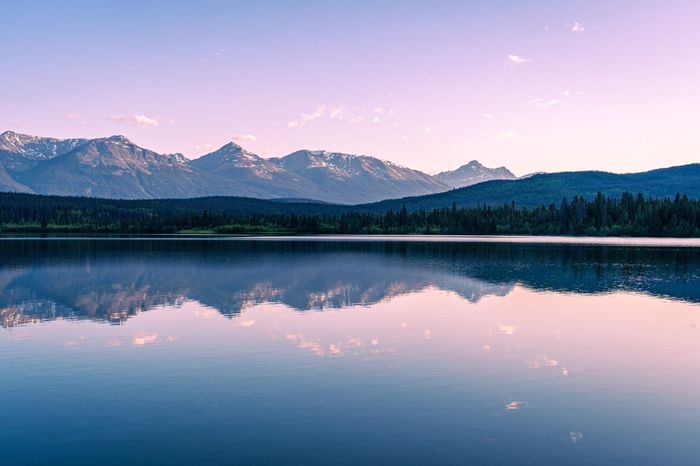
x=552 y=187
x=473 y=173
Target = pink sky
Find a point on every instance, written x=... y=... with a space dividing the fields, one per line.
x=531 y=86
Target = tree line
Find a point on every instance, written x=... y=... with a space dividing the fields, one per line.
x=602 y=216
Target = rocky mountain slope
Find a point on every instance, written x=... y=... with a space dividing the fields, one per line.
x=8 y=184
x=20 y=152
x=115 y=167
x=473 y=173
x=233 y=162
x=353 y=179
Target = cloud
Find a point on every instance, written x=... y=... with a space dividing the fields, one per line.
x=244 y=137
x=172 y=121
x=488 y=115
x=205 y=146
x=546 y=28
x=305 y=118
x=116 y=119
x=378 y=110
x=404 y=137
x=507 y=134
x=356 y=121
x=244 y=323
x=429 y=129
x=375 y=120
x=72 y=116
x=140 y=339
x=514 y=60
x=540 y=103
x=18 y=123
x=143 y=121
x=567 y=92
x=577 y=28
x=394 y=124
x=339 y=113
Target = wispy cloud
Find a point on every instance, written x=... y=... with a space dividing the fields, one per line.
x=18 y=123
x=116 y=119
x=143 y=121
x=205 y=146
x=326 y=113
x=488 y=115
x=140 y=339
x=507 y=134
x=305 y=118
x=244 y=137
x=567 y=93
x=72 y=116
x=541 y=103
x=515 y=60
x=428 y=129
x=578 y=27
x=338 y=113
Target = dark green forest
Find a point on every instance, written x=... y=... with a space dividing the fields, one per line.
x=629 y=215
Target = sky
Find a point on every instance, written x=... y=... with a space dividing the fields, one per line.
x=531 y=85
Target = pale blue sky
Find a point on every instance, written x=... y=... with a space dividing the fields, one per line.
x=430 y=85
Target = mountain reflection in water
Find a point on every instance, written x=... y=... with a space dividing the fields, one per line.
x=111 y=280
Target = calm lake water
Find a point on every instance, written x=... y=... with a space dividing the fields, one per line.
x=348 y=352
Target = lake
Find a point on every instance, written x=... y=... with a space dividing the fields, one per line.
x=349 y=351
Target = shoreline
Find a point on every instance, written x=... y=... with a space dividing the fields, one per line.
x=494 y=239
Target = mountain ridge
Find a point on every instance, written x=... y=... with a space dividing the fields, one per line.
x=115 y=167
x=473 y=173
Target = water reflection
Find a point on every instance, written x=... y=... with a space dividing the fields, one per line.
x=112 y=280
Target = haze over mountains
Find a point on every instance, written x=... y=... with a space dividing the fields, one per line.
x=114 y=167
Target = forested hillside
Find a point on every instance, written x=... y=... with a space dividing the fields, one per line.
x=604 y=216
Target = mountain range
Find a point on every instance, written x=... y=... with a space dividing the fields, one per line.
x=116 y=168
